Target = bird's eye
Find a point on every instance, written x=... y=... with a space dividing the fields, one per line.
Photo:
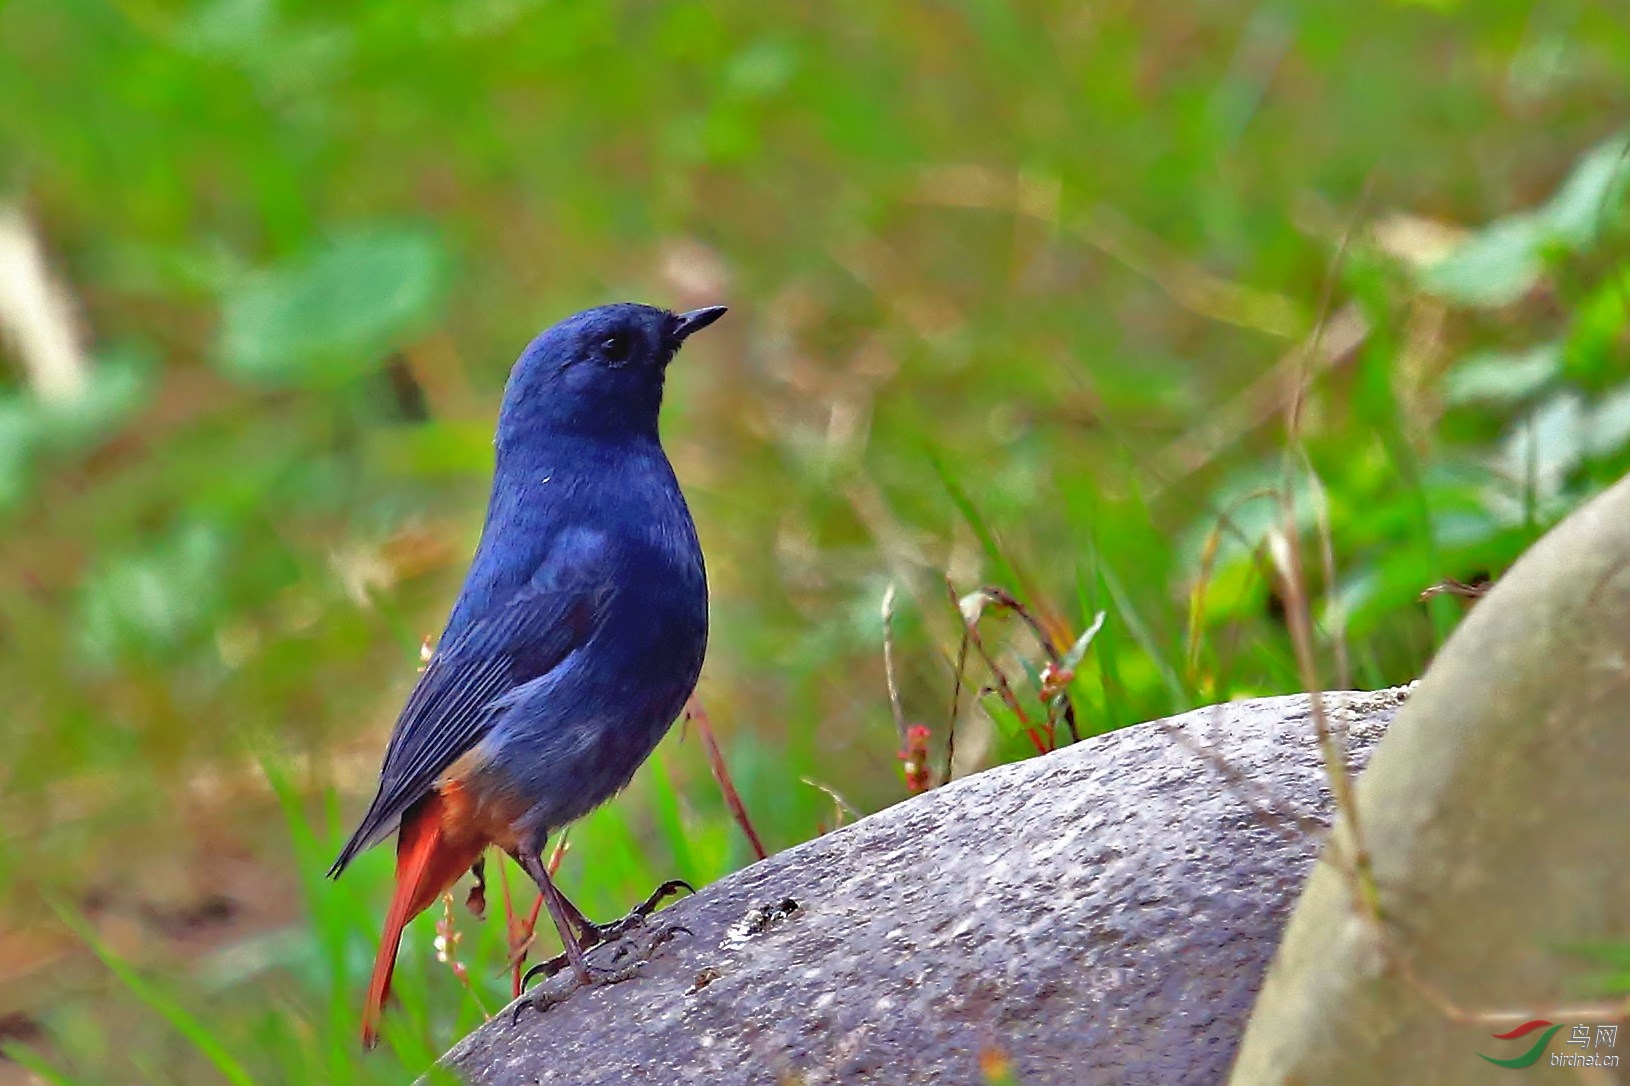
x=617 y=347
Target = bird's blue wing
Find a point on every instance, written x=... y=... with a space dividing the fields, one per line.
x=452 y=707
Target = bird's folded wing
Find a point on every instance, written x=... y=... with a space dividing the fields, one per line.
x=452 y=707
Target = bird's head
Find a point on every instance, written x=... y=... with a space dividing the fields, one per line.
x=598 y=373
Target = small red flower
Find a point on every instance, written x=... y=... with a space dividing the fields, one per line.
x=915 y=757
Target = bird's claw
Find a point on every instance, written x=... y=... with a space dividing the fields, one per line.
x=596 y=935
x=543 y=999
x=660 y=936
x=607 y=933
x=545 y=969
x=538 y=1001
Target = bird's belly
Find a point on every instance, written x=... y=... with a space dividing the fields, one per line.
x=569 y=748
x=474 y=809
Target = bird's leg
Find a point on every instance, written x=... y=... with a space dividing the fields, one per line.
x=532 y=863
x=523 y=935
x=587 y=930
x=593 y=935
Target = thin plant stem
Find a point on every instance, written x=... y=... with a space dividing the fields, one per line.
x=721 y=774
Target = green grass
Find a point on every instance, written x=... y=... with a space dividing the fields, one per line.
x=1007 y=286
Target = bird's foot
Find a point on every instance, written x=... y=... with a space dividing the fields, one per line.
x=619 y=953
x=545 y=969
x=665 y=934
x=599 y=934
x=593 y=935
x=543 y=997
x=596 y=975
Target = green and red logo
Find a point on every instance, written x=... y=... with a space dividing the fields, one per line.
x=1591 y=1043
x=1531 y=1057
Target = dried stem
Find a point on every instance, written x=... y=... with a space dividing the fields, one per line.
x=956 y=694
x=721 y=774
x=1293 y=582
x=1004 y=689
x=913 y=753
x=840 y=805
x=1327 y=559
x=1005 y=599
x=447 y=939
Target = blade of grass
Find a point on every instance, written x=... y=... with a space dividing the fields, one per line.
x=35 y=1064
x=895 y=707
x=172 y=1012
x=669 y=821
x=334 y=923
x=1284 y=548
x=1090 y=591
x=960 y=674
x=1002 y=568
x=1327 y=561
x=1145 y=640
x=1441 y=610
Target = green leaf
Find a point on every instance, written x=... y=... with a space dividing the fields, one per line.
x=141 y=604
x=114 y=388
x=1503 y=377
x=36 y=1063
x=19 y=435
x=1608 y=429
x=1547 y=445
x=1455 y=529
x=1494 y=267
x=330 y=316
x=1502 y=262
x=762 y=69
x=1591 y=193
x=1078 y=650
x=29 y=427
x=1598 y=322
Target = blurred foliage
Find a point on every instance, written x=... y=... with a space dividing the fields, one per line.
x=1020 y=294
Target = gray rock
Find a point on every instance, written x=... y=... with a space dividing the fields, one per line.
x=1100 y=915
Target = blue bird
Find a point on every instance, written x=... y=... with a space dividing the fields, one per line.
x=576 y=640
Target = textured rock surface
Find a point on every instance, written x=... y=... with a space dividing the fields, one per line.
x=1100 y=915
x=1495 y=814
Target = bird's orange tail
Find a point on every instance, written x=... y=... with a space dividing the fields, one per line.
x=431 y=854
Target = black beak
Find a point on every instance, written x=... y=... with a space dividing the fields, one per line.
x=696 y=320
